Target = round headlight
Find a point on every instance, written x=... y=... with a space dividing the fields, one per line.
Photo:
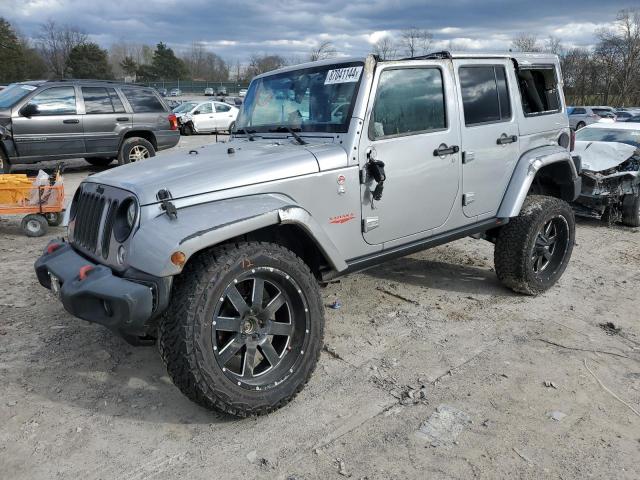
x=131 y=214
x=125 y=219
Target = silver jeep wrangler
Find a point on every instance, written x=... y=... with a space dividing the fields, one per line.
x=217 y=254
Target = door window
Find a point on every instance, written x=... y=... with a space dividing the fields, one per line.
x=142 y=101
x=101 y=100
x=204 y=108
x=485 y=96
x=55 y=101
x=408 y=101
x=221 y=107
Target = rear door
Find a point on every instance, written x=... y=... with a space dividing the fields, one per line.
x=105 y=119
x=55 y=131
x=224 y=115
x=412 y=126
x=489 y=133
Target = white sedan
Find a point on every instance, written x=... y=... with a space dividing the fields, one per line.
x=206 y=117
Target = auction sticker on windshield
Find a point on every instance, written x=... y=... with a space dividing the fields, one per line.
x=343 y=75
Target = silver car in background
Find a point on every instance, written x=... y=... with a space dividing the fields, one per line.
x=580 y=117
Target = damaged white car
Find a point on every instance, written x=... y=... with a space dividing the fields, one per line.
x=610 y=156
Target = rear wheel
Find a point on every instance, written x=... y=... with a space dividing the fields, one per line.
x=532 y=251
x=54 y=219
x=135 y=149
x=99 y=161
x=580 y=125
x=232 y=127
x=34 y=225
x=244 y=329
x=631 y=210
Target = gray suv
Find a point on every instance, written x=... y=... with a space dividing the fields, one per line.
x=336 y=166
x=98 y=120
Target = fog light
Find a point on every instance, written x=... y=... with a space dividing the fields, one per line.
x=178 y=259
x=122 y=253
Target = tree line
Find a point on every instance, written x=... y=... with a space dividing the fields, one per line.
x=607 y=73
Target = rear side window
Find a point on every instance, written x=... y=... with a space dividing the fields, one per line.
x=485 y=96
x=142 y=101
x=539 y=91
x=578 y=111
x=408 y=101
x=101 y=100
x=56 y=101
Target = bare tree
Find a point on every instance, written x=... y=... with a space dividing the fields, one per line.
x=525 y=43
x=385 y=48
x=264 y=63
x=55 y=43
x=553 y=45
x=323 y=51
x=415 y=41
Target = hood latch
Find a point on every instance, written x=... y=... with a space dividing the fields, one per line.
x=165 y=197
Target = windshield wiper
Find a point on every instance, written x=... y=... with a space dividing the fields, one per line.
x=247 y=133
x=291 y=131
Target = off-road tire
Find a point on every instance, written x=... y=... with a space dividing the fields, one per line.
x=129 y=144
x=34 y=225
x=516 y=243
x=631 y=210
x=5 y=165
x=185 y=330
x=98 y=161
x=580 y=125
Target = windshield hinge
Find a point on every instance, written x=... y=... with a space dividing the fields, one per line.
x=165 y=197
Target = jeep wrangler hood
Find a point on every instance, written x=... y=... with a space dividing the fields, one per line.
x=213 y=167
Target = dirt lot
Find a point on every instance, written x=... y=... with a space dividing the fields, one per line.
x=431 y=370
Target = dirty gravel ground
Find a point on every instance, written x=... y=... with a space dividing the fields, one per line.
x=464 y=352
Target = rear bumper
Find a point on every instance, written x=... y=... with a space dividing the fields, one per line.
x=119 y=304
x=167 y=139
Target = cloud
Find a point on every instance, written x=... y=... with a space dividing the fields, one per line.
x=236 y=29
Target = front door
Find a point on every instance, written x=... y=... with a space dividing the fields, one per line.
x=54 y=130
x=489 y=133
x=203 y=117
x=412 y=126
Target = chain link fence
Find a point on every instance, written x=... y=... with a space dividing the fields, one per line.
x=198 y=86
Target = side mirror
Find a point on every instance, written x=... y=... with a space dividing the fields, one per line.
x=197 y=112
x=29 y=110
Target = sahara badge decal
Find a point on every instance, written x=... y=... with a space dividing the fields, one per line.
x=340 y=219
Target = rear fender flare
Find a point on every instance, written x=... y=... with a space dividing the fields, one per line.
x=525 y=172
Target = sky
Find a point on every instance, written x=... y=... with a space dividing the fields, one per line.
x=236 y=29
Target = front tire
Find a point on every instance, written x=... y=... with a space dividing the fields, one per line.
x=135 y=149
x=244 y=328
x=532 y=250
x=631 y=210
x=5 y=166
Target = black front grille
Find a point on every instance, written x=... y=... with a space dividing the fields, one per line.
x=108 y=227
x=87 y=222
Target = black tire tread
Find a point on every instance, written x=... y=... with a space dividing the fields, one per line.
x=175 y=337
x=511 y=249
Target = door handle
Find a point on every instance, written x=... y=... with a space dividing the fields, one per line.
x=122 y=119
x=505 y=139
x=71 y=120
x=443 y=150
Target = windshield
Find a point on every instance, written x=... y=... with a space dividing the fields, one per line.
x=10 y=95
x=318 y=99
x=185 y=107
x=630 y=137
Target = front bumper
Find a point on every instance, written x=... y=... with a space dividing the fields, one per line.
x=118 y=303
